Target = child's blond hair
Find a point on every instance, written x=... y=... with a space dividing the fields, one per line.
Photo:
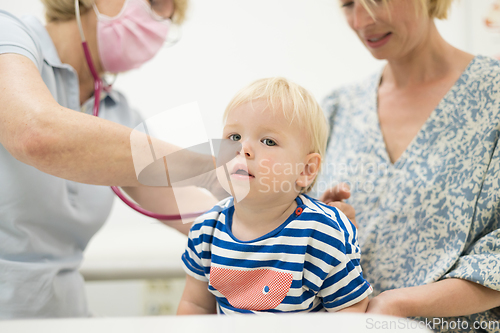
x=296 y=103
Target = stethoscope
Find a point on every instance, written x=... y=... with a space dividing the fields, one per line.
x=98 y=87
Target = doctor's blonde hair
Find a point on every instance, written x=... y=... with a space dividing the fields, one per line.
x=435 y=8
x=64 y=10
x=297 y=105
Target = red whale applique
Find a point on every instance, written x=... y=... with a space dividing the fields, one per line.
x=257 y=290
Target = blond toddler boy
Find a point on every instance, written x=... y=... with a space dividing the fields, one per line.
x=274 y=249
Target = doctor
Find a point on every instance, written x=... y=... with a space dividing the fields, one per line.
x=54 y=155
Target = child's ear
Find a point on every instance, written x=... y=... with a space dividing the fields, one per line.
x=311 y=169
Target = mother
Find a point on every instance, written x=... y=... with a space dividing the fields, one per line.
x=418 y=144
x=52 y=157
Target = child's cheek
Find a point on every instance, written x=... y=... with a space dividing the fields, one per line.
x=268 y=167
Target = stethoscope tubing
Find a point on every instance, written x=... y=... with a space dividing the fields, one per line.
x=143 y=211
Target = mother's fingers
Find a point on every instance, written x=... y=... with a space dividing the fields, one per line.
x=337 y=193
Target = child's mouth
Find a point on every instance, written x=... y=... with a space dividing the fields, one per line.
x=241 y=173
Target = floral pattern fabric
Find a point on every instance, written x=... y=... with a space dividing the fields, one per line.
x=435 y=212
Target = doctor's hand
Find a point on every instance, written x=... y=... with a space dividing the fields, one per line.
x=212 y=184
x=335 y=197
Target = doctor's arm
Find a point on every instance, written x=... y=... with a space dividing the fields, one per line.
x=36 y=130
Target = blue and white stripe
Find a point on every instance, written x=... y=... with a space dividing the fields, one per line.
x=318 y=247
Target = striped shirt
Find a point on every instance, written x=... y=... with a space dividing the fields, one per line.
x=309 y=263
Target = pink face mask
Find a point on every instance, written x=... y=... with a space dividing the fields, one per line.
x=131 y=38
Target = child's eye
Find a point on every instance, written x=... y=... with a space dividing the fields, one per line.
x=347 y=4
x=235 y=137
x=269 y=142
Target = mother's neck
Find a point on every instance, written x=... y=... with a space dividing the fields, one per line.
x=66 y=38
x=434 y=59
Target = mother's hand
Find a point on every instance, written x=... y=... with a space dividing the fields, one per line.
x=335 y=196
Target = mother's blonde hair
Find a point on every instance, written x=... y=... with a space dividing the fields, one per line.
x=435 y=8
x=64 y=10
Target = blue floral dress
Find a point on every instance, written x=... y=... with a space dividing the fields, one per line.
x=435 y=212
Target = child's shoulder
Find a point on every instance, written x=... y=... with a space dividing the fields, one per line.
x=329 y=224
x=213 y=216
x=326 y=215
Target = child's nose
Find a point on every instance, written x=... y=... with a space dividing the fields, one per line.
x=246 y=150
